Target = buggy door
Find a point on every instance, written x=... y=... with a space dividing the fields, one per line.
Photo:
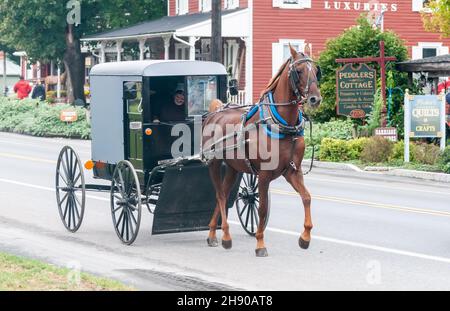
x=133 y=104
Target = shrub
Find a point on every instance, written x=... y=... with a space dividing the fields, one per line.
x=398 y=152
x=426 y=154
x=444 y=160
x=356 y=147
x=334 y=150
x=40 y=119
x=378 y=149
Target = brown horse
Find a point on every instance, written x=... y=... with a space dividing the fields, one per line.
x=295 y=84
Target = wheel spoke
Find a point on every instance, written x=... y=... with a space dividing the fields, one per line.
x=67 y=164
x=62 y=177
x=122 y=184
x=76 y=179
x=243 y=210
x=74 y=207
x=247 y=219
x=63 y=164
x=120 y=219
x=252 y=218
x=64 y=198
x=123 y=222
x=65 y=210
x=134 y=219
x=245 y=181
x=131 y=226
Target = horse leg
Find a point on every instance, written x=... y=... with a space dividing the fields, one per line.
x=263 y=187
x=222 y=192
x=295 y=178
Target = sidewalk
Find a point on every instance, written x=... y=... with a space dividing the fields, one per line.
x=391 y=171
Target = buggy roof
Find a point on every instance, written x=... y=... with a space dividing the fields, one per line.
x=159 y=68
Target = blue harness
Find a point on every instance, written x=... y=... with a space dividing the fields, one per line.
x=272 y=121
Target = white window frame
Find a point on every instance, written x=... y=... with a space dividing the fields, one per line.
x=230 y=4
x=278 y=51
x=204 y=8
x=417 y=6
x=302 y=4
x=181 y=10
x=417 y=51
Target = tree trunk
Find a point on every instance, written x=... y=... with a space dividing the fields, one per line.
x=74 y=64
x=4 y=74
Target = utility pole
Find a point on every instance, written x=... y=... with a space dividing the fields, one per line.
x=216 y=31
x=4 y=73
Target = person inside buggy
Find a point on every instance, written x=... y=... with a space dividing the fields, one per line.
x=180 y=99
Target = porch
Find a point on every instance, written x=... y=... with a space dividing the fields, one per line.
x=181 y=37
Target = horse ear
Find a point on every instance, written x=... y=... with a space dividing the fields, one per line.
x=308 y=50
x=293 y=51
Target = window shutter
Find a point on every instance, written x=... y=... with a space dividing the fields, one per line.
x=277 y=57
x=443 y=50
x=277 y=3
x=416 y=52
x=417 y=5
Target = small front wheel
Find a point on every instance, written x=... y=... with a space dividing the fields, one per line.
x=126 y=205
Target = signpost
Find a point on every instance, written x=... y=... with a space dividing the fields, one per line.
x=355 y=90
x=424 y=118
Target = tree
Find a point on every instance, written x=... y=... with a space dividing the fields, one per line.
x=438 y=20
x=361 y=40
x=42 y=28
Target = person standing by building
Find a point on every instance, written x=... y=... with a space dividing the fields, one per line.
x=38 y=91
x=22 y=88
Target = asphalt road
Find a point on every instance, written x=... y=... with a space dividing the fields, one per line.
x=372 y=232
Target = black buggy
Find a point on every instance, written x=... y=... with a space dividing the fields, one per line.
x=139 y=113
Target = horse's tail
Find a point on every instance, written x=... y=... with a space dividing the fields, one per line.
x=216 y=105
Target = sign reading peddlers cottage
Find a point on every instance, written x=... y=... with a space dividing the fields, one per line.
x=355 y=90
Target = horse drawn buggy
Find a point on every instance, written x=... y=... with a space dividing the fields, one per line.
x=146 y=119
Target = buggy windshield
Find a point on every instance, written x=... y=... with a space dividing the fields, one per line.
x=201 y=91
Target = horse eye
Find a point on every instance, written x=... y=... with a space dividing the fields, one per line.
x=319 y=74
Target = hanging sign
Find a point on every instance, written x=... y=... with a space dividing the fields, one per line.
x=355 y=90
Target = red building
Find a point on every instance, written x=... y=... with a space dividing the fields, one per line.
x=257 y=33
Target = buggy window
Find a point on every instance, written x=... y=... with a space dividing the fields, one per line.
x=201 y=91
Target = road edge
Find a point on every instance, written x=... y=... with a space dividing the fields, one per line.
x=439 y=177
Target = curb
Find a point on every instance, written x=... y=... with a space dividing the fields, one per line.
x=440 y=177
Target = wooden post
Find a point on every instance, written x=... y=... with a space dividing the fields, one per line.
x=4 y=74
x=382 y=63
x=216 y=31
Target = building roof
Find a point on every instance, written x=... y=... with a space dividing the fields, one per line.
x=11 y=68
x=166 y=24
x=437 y=66
x=158 y=68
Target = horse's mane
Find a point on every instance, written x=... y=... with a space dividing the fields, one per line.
x=274 y=81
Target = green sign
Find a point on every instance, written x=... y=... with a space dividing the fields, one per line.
x=425 y=113
x=355 y=90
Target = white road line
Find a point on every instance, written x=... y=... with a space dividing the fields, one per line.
x=292 y=233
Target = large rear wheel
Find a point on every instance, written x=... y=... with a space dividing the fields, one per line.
x=70 y=189
x=247 y=204
x=126 y=205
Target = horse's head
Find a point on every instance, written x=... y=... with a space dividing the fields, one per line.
x=304 y=76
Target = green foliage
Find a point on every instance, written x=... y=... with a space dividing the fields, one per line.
x=398 y=152
x=361 y=40
x=444 y=160
x=338 y=150
x=39 y=26
x=41 y=119
x=426 y=154
x=377 y=149
x=374 y=118
x=338 y=129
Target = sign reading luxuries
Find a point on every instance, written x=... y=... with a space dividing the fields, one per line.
x=355 y=90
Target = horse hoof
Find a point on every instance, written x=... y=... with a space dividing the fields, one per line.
x=227 y=244
x=212 y=242
x=262 y=252
x=303 y=244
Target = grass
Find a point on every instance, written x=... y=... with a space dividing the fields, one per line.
x=20 y=274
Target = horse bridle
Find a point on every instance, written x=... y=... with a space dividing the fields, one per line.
x=294 y=79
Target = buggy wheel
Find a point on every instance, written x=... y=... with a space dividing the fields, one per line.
x=247 y=204
x=126 y=205
x=70 y=189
